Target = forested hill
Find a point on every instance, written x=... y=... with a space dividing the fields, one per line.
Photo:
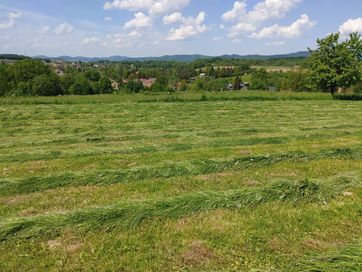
x=181 y=58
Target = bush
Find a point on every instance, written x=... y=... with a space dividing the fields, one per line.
x=161 y=84
x=93 y=75
x=353 y=97
x=5 y=84
x=259 y=80
x=296 y=82
x=104 y=86
x=46 y=85
x=23 y=89
x=134 y=86
x=67 y=81
x=28 y=69
x=357 y=89
x=81 y=86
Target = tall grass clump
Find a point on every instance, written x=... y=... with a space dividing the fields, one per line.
x=132 y=214
x=350 y=97
x=195 y=167
x=236 y=96
x=348 y=259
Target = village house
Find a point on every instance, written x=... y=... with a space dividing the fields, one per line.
x=148 y=82
x=115 y=85
x=243 y=86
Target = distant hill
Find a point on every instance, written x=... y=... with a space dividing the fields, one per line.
x=301 y=54
x=12 y=57
x=180 y=58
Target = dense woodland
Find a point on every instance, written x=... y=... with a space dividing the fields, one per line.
x=333 y=66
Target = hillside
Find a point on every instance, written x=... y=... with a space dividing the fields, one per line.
x=180 y=58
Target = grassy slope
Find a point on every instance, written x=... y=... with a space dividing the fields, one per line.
x=135 y=183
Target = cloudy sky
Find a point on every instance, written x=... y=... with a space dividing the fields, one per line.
x=160 y=27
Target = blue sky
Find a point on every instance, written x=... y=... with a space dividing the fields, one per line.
x=160 y=27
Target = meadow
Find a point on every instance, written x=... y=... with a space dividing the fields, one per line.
x=237 y=181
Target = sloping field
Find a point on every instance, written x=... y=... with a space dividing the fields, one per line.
x=216 y=182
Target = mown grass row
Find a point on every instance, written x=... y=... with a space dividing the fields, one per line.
x=131 y=214
x=242 y=98
x=218 y=138
x=347 y=259
x=25 y=157
x=350 y=97
x=195 y=167
x=165 y=97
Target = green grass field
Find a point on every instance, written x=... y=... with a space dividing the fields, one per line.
x=249 y=181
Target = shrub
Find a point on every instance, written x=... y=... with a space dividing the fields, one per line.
x=103 y=86
x=81 y=86
x=23 y=89
x=46 y=85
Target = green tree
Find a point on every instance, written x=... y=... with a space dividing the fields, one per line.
x=5 y=83
x=104 y=86
x=46 y=85
x=93 y=75
x=237 y=83
x=182 y=87
x=134 y=86
x=336 y=64
x=23 y=88
x=28 y=69
x=161 y=84
x=67 y=81
x=296 y=81
x=81 y=86
x=259 y=80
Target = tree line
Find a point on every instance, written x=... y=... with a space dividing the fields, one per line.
x=33 y=77
x=335 y=64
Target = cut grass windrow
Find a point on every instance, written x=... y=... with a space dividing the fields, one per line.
x=131 y=214
x=52 y=155
x=162 y=97
x=348 y=259
x=196 y=167
x=217 y=98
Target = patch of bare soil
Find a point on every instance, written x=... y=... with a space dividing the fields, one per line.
x=197 y=254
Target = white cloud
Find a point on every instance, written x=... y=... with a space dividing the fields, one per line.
x=269 y=9
x=295 y=30
x=117 y=40
x=219 y=38
x=262 y=11
x=14 y=15
x=107 y=18
x=90 y=41
x=134 y=34
x=190 y=27
x=44 y=30
x=63 y=28
x=173 y=18
x=9 y=24
x=237 y=11
x=163 y=6
x=350 y=26
x=154 y=7
x=275 y=43
x=241 y=28
x=140 y=20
